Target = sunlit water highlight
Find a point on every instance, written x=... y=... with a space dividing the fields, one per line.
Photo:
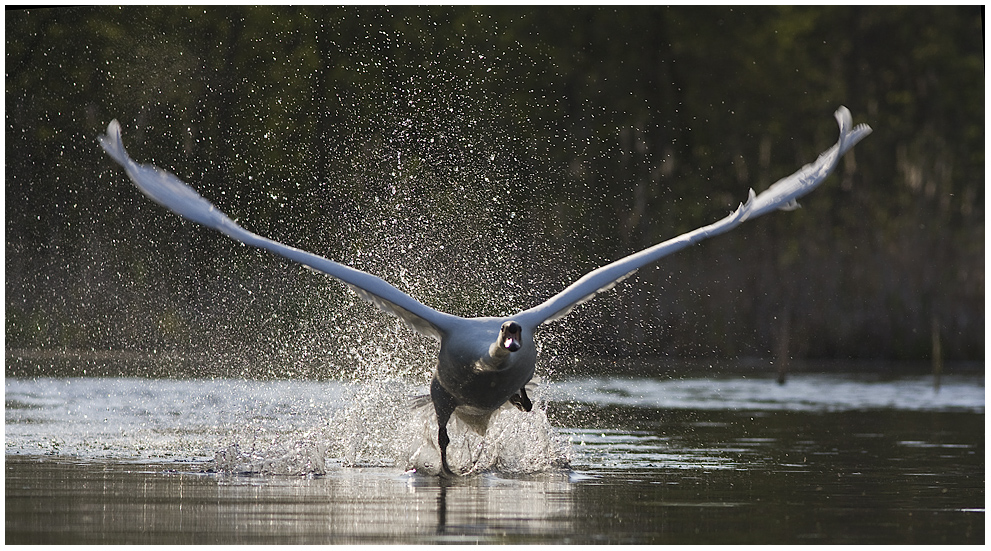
x=279 y=427
x=308 y=427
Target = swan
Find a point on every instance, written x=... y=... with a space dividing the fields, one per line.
x=483 y=362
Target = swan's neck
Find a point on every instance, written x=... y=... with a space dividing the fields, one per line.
x=498 y=352
x=496 y=359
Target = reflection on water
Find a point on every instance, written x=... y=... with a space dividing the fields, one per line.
x=811 y=392
x=122 y=503
x=834 y=459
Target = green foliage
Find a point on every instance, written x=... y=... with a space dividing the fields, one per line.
x=501 y=148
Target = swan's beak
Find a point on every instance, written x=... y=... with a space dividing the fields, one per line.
x=512 y=335
x=511 y=343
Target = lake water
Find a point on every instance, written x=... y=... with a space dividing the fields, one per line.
x=821 y=459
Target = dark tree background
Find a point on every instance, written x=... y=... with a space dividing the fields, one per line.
x=482 y=158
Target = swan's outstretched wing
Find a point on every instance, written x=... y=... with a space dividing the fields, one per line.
x=781 y=195
x=172 y=193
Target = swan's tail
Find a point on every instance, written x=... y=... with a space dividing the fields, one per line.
x=420 y=401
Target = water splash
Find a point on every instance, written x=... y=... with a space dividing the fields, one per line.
x=515 y=442
x=314 y=427
x=385 y=424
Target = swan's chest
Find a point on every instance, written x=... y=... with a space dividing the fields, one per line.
x=476 y=378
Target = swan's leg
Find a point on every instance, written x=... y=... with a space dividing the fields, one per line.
x=444 y=405
x=521 y=400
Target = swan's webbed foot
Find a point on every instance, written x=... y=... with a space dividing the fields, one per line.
x=521 y=400
x=445 y=471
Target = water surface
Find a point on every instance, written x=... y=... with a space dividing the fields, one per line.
x=823 y=458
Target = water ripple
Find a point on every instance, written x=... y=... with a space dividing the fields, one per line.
x=803 y=392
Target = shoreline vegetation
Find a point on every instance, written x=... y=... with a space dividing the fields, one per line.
x=483 y=158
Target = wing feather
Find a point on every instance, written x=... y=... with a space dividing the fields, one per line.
x=174 y=194
x=783 y=195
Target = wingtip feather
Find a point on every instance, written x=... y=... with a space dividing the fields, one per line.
x=844 y=119
x=113 y=144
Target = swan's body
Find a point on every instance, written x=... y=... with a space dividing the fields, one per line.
x=483 y=362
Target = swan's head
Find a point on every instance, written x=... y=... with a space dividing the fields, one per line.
x=511 y=336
